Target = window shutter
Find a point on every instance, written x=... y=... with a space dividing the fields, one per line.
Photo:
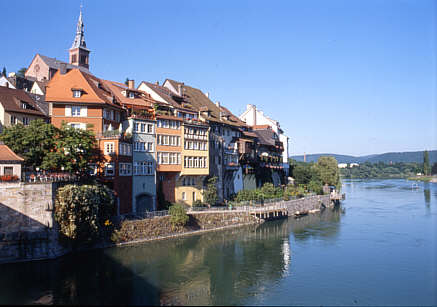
x=83 y=111
x=67 y=110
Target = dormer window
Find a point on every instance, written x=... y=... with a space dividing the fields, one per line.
x=23 y=105
x=77 y=93
x=131 y=95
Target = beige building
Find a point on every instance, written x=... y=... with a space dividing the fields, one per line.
x=10 y=162
x=17 y=107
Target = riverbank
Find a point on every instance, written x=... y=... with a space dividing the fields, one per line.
x=21 y=242
x=432 y=179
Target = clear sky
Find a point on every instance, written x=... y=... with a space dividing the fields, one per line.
x=347 y=77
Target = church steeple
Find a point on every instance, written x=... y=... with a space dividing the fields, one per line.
x=79 y=53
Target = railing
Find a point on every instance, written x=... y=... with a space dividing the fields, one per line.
x=49 y=177
x=143 y=215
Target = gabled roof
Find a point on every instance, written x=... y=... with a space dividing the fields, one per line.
x=198 y=99
x=6 y=154
x=95 y=91
x=56 y=64
x=11 y=100
x=142 y=99
x=167 y=95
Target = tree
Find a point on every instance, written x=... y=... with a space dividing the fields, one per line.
x=4 y=71
x=32 y=142
x=211 y=195
x=21 y=72
x=44 y=146
x=327 y=169
x=75 y=150
x=426 y=166
x=302 y=173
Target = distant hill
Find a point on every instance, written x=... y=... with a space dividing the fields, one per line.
x=410 y=156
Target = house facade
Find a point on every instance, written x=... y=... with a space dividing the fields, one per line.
x=17 y=107
x=83 y=101
x=254 y=117
x=10 y=162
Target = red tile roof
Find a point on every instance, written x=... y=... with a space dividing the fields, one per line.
x=6 y=154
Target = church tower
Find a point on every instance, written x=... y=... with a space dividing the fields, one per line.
x=79 y=53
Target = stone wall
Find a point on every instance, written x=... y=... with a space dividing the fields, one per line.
x=316 y=202
x=27 y=228
x=145 y=229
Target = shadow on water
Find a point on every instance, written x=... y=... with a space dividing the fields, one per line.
x=90 y=278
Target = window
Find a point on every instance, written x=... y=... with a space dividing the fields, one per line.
x=77 y=125
x=109 y=169
x=136 y=127
x=125 y=169
x=25 y=121
x=23 y=105
x=77 y=93
x=125 y=149
x=194 y=196
x=150 y=147
x=184 y=196
x=8 y=170
x=131 y=95
x=13 y=120
x=75 y=111
x=143 y=127
x=109 y=148
x=169 y=158
x=149 y=128
x=117 y=116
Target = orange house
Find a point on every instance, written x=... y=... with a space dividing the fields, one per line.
x=83 y=101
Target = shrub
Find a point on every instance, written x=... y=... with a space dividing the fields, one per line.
x=178 y=215
x=83 y=212
x=211 y=195
x=198 y=203
x=316 y=187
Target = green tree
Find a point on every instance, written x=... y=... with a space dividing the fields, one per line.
x=33 y=142
x=44 y=146
x=426 y=166
x=327 y=168
x=83 y=212
x=21 y=72
x=302 y=173
x=75 y=149
x=178 y=215
x=211 y=195
x=4 y=71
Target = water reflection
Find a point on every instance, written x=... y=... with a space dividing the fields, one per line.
x=219 y=268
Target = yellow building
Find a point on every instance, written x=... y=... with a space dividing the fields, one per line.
x=195 y=162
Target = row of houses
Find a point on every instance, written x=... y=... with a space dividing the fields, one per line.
x=157 y=140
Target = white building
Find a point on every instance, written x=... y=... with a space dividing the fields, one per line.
x=254 y=117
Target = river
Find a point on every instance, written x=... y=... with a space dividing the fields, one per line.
x=378 y=248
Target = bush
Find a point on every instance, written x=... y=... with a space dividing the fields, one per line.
x=198 y=203
x=316 y=187
x=83 y=212
x=211 y=195
x=178 y=215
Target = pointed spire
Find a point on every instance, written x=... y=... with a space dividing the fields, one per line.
x=79 y=39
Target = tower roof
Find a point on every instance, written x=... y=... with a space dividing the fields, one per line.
x=79 y=39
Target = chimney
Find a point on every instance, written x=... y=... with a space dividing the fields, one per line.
x=131 y=84
x=207 y=94
x=180 y=89
x=63 y=68
x=217 y=103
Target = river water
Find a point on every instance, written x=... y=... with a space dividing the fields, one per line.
x=378 y=248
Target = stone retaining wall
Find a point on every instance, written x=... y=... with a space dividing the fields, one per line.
x=309 y=203
x=27 y=228
x=157 y=227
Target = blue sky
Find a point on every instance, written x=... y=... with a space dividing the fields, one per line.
x=348 y=77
